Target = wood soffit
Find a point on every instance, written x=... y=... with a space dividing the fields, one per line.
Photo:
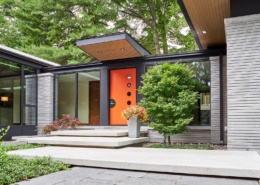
x=112 y=47
x=207 y=17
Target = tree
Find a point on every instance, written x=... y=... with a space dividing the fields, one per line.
x=57 y=24
x=169 y=98
x=162 y=21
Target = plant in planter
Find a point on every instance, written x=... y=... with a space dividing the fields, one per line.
x=63 y=123
x=133 y=115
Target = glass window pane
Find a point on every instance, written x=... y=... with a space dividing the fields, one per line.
x=9 y=93
x=202 y=75
x=30 y=86
x=66 y=94
x=89 y=97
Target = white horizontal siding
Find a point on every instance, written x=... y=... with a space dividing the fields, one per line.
x=243 y=82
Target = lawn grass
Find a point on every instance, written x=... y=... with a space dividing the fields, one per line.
x=14 y=168
x=180 y=146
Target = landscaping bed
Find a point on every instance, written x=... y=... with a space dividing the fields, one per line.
x=14 y=168
x=194 y=146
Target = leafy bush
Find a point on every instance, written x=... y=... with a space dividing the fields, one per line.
x=3 y=132
x=169 y=98
x=14 y=168
x=65 y=122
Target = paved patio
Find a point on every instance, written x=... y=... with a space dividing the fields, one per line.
x=100 y=176
x=244 y=164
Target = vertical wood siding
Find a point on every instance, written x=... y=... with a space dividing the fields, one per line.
x=243 y=84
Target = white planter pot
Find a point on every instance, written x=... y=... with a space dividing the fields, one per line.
x=133 y=127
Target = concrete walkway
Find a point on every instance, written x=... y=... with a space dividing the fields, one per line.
x=196 y=162
x=99 y=176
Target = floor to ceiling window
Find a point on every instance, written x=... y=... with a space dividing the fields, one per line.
x=78 y=94
x=202 y=75
x=17 y=94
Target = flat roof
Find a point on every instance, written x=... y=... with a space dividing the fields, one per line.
x=24 y=58
x=112 y=47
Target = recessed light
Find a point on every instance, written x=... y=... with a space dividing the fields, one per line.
x=122 y=49
x=204 y=32
x=100 y=52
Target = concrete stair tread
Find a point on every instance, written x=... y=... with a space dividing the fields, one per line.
x=94 y=132
x=244 y=164
x=113 y=142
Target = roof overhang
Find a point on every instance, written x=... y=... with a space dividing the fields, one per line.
x=112 y=47
x=206 y=20
x=20 y=57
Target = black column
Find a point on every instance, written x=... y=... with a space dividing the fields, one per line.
x=104 y=96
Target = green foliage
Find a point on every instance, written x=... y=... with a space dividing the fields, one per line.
x=49 y=29
x=70 y=55
x=14 y=168
x=169 y=98
x=159 y=22
x=3 y=132
x=180 y=146
x=23 y=147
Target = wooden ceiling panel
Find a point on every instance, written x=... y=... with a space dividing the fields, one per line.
x=207 y=17
x=118 y=49
x=112 y=47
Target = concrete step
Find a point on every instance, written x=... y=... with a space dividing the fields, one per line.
x=91 y=133
x=105 y=142
x=243 y=164
x=90 y=127
x=94 y=133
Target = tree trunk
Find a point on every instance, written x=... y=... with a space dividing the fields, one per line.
x=154 y=27
x=164 y=140
x=156 y=39
x=169 y=140
x=164 y=40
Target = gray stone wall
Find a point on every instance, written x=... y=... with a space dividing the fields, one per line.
x=30 y=99
x=215 y=100
x=45 y=99
x=243 y=82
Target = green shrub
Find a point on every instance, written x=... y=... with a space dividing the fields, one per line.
x=14 y=168
x=3 y=132
x=169 y=98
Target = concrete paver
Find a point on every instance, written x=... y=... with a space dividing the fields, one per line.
x=98 y=176
x=195 y=162
x=109 y=142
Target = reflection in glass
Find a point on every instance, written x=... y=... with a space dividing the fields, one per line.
x=9 y=93
x=89 y=97
x=66 y=94
x=202 y=75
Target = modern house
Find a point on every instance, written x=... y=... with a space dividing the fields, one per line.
x=34 y=91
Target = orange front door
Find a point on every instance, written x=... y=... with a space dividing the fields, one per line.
x=122 y=93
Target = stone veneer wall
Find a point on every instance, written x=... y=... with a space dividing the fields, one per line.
x=45 y=99
x=215 y=99
x=243 y=84
x=30 y=99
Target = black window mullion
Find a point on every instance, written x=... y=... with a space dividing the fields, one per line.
x=22 y=96
x=76 y=94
